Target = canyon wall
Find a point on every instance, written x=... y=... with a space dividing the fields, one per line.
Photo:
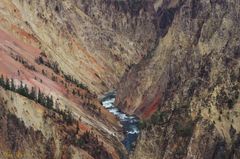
x=174 y=63
x=187 y=89
x=94 y=41
x=45 y=113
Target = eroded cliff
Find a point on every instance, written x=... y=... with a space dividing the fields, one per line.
x=178 y=61
x=46 y=105
x=60 y=55
x=190 y=83
x=94 y=41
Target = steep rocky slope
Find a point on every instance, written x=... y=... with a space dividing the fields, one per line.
x=69 y=52
x=29 y=130
x=46 y=105
x=190 y=83
x=178 y=61
x=94 y=41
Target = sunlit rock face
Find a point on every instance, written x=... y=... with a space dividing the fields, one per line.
x=188 y=87
x=95 y=41
x=173 y=63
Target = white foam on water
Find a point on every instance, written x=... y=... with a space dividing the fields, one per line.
x=115 y=111
x=133 y=131
x=130 y=122
x=123 y=116
x=108 y=103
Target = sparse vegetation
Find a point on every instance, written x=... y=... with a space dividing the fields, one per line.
x=92 y=108
x=157 y=118
x=89 y=142
x=229 y=98
x=54 y=78
x=52 y=65
x=67 y=116
x=75 y=81
x=23 y=61
x=185 y=129
x=46 y=101
x=55 y=67
x=41 y=98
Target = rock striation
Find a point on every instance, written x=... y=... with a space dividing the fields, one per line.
x=187 y=89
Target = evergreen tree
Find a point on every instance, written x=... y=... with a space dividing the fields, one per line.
x=7 y=85
x=46 y=101
x=20 y=88
x=33 y=94
x=40 y=97
x=2 y=82
x=49 y=102
x=13 y=88
x=25 y=92
x=41 y=60
x=68 y=117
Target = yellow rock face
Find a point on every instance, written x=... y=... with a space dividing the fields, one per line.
x=84 y=45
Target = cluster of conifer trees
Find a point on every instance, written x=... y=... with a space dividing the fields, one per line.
x=52 y=65
x=55 y=67
x=75 y=81
x=22 y=89
x=39 y=97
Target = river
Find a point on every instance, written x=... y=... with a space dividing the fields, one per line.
x=130 y=123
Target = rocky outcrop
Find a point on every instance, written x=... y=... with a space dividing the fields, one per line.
x=190 y=83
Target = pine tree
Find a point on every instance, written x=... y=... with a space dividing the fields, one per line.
x=49 y=102
x=33 y=94
x=25 y=92
x=40 y=97
x=2 y=82
x=41 y=60
x=7 y=85
x=13 y=88
x=68 y=117
x=20 y=88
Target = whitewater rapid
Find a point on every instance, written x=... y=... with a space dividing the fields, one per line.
x=130 y=123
